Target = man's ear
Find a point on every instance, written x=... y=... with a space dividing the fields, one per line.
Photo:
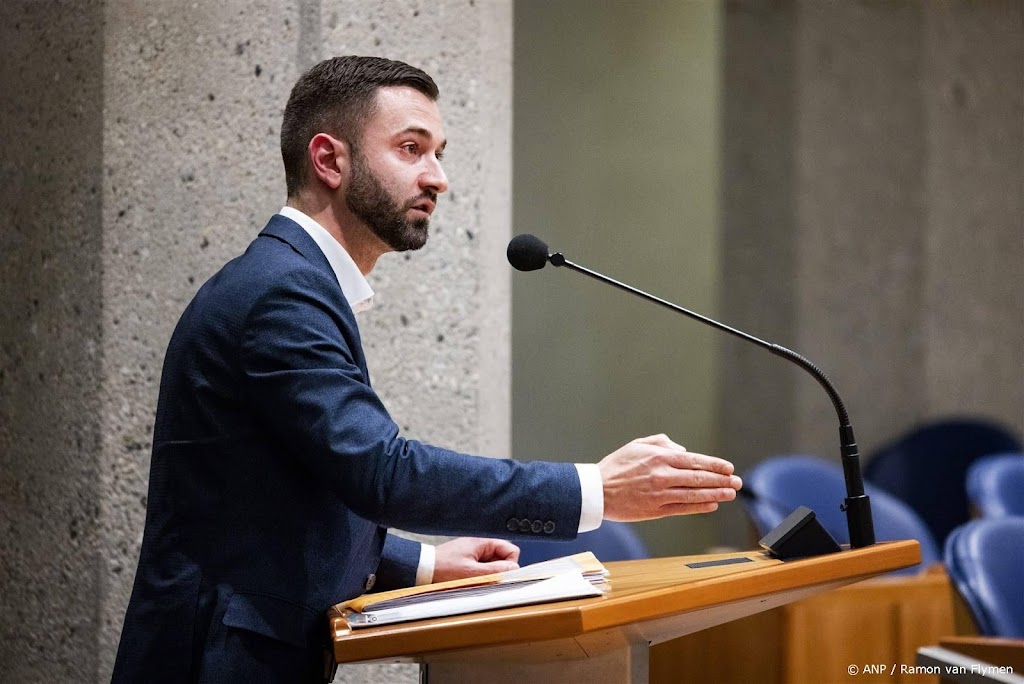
x=329 y=157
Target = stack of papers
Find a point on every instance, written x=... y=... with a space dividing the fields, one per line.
x=571 y=577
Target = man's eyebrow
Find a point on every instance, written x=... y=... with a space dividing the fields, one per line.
x=426 y=133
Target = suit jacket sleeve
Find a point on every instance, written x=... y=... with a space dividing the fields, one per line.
x=303 y=372
x=399 y=562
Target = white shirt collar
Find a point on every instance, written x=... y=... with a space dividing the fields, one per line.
x=354 y=286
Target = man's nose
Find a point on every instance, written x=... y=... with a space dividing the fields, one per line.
x=434 y=177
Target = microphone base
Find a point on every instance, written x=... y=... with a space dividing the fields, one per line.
x=800 y=535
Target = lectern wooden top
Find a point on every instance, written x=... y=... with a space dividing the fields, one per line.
x=649 y=593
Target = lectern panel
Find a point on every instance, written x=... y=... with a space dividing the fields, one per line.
x=649 y=601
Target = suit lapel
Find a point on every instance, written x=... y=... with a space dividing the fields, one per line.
x=292 y=234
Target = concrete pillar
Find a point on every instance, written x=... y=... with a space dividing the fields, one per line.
x=141 y=153
x=872 y=217
x=51 y=344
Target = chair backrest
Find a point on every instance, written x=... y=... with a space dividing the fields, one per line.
x=612 y=541
x=995 y=485
x=985 y=561
x=778 y=485
x=927 y=467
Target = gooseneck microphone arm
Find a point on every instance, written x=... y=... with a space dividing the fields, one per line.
x=857 y=505
x=558 y=260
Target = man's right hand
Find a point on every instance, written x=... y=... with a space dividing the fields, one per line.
x=654 y=477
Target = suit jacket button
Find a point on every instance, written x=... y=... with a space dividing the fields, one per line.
x=371 y=579
x=512 y=525
x=549 y=527
x=537 y=526
x=524 y=525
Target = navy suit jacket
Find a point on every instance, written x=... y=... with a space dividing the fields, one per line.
x=276 y=471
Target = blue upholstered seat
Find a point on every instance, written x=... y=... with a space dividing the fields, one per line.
x=995 y=485
x=927 y=468
x=985 y=560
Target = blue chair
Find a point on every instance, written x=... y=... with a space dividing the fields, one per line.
x=995 y=485
x=778 y=485
x=985 y=561
x=927 y=467
x=612 y=541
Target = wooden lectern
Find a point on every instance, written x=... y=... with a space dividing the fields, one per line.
x=607 y=638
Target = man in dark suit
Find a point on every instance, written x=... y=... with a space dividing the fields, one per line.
x=276 y=470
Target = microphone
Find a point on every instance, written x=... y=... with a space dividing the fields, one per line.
x=529 y=253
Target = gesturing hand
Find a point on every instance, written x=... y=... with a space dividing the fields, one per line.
x=470 y=557
x=654 y=477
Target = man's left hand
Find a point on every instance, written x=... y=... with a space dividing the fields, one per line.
x=470 y=557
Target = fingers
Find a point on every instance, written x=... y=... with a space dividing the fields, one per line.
x=700 y=479
x=498 y=550
x=472 y=557
x=485 y=550
x=674 y=471
x=688 y=509
x=694 y=461
x=476 y=569
x=691 y=495
x=491 y=555
x=498 y=566
x=705 y=479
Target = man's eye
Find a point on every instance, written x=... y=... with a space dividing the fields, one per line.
x=411 y=148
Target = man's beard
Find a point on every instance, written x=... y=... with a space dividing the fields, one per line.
x=370 y=201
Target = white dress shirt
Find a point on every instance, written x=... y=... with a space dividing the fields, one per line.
x=359 y=295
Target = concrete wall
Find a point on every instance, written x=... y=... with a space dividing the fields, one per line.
x=51 y=343
x=873 y=159
x=141 y=152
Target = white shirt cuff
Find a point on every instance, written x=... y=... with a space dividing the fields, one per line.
x=425 y=570
x=592 y=490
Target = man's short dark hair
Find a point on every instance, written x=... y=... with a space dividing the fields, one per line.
x=337 y=96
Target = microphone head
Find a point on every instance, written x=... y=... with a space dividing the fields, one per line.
x=527 y=252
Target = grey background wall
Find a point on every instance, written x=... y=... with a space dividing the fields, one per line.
x=616 y=165
x=844 y=178
x=872 y=219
